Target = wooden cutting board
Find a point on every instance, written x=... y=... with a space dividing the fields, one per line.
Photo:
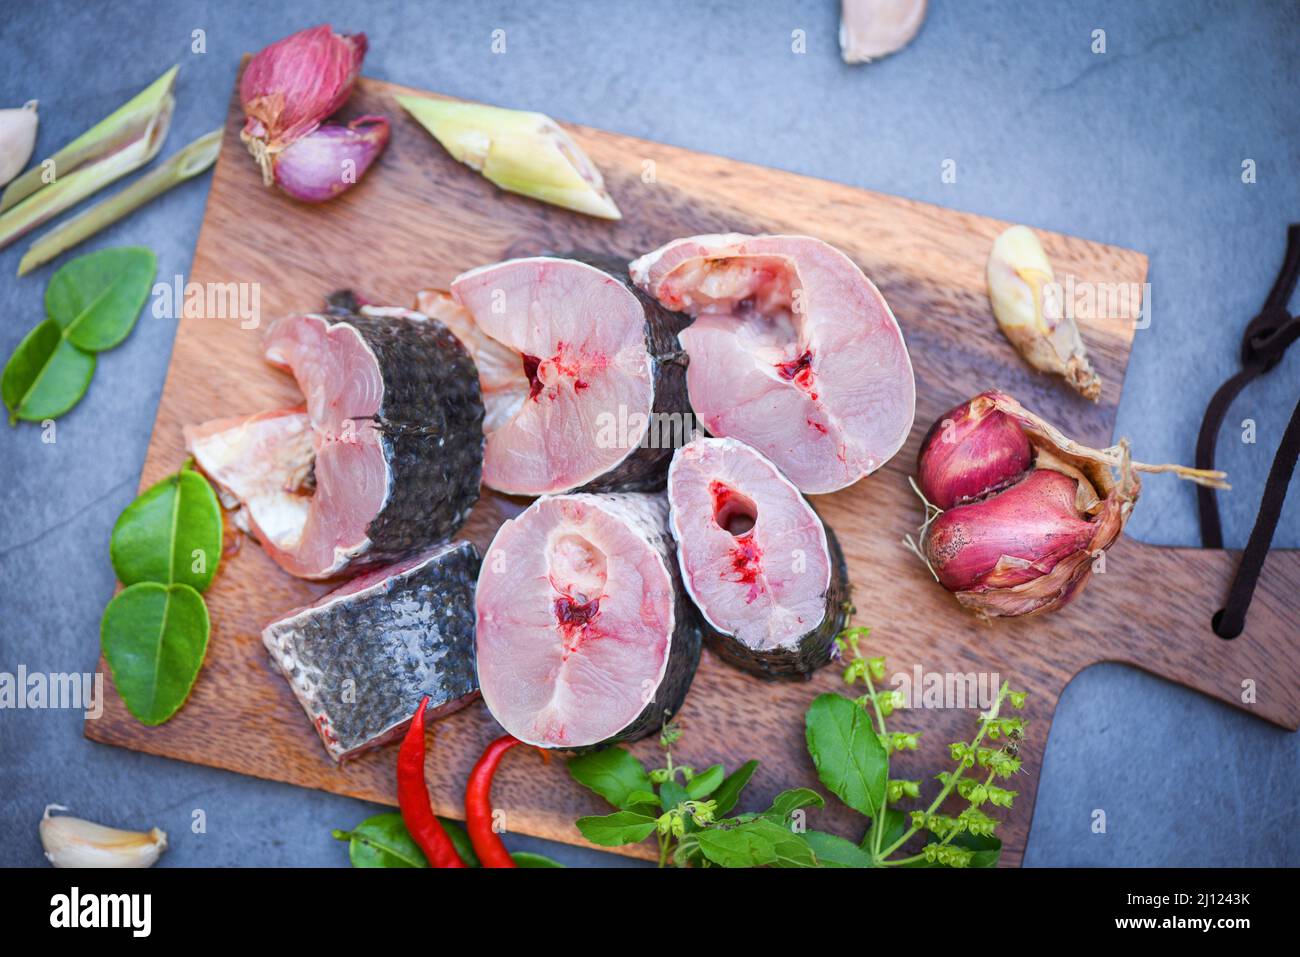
x=419 y=218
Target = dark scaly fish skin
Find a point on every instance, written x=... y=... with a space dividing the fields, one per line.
x=651 y=519
x=408 y=634
x=815 y=648
x=646 y=468
x=431 y=428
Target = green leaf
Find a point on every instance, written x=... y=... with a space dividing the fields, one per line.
x=614 y=830
x=787 y=802
x=171 y=533
x=615 y=775
x=706 y=782
x=639 y=798
x=757 y=843
x=460 y=838
x=45 y=376
x=835 y=851
x=154 y=638
x=529 y=859
x=672 y=794
x=95 y=299
x=728 y=793
x=848 y=755
x=382 y=841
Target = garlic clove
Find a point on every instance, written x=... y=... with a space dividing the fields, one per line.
x=17 y=139
x=523 y=152
x=1027 y=304
x=871 y=29
x=74 y=842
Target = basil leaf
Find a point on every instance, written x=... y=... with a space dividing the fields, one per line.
x=382 y=841
x=154 y=638
x=95 y=299
x=849 y=758
x=835 y=851
x=728 y=793
x=460 y=838
x=45 y=376
x=706 y=782
x=529 y=859
x=613 y=830
x=171 y=533
x=615 y=775
x=672 y=794
x=757 y=843
x=787 y=802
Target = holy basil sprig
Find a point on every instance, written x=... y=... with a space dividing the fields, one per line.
x=689 y=812
x=963 y=840
x=165 y=549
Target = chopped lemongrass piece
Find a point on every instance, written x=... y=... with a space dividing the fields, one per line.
x=124 y=142
x=183 y=164
x=523 y=152
x=133 y=121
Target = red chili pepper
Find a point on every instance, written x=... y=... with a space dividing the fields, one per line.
x=413 y=798
x=478 y=806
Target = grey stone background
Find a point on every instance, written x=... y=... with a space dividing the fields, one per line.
x=1141 y=146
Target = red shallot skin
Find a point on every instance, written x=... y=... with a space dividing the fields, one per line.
x=1010 y=538
x=294 y=84
x=331 y=159
x=970 y=451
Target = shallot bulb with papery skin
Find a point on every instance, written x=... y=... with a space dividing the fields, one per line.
x=330 y=159
x=1016 y=512
x=292 y=86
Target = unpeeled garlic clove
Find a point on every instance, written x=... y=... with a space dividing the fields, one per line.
x=17 y=139
x=74 y=842
x=1027 y=304
x=871 y=29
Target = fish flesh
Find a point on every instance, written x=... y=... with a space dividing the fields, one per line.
x=765 y=572
x=360 y=659
x=582 y=376
x=585 y=634
x=381 y=462
x=793 y=351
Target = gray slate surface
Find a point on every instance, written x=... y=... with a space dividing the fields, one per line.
x=1141 y=146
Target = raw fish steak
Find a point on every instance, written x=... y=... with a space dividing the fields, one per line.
x=382 y=461
x=767 y=575
x=582 y=375
x=793 y=351
x=360 y=658
x=584 y=632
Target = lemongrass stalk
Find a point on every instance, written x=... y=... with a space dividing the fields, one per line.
x=142 y=120
x=182 y=165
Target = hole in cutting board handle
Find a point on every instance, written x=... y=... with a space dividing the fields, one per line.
x=1217 y=622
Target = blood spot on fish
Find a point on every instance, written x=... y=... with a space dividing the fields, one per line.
x=817 y=425
x=573 y=617
x=799 y=371
x=747 y=565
